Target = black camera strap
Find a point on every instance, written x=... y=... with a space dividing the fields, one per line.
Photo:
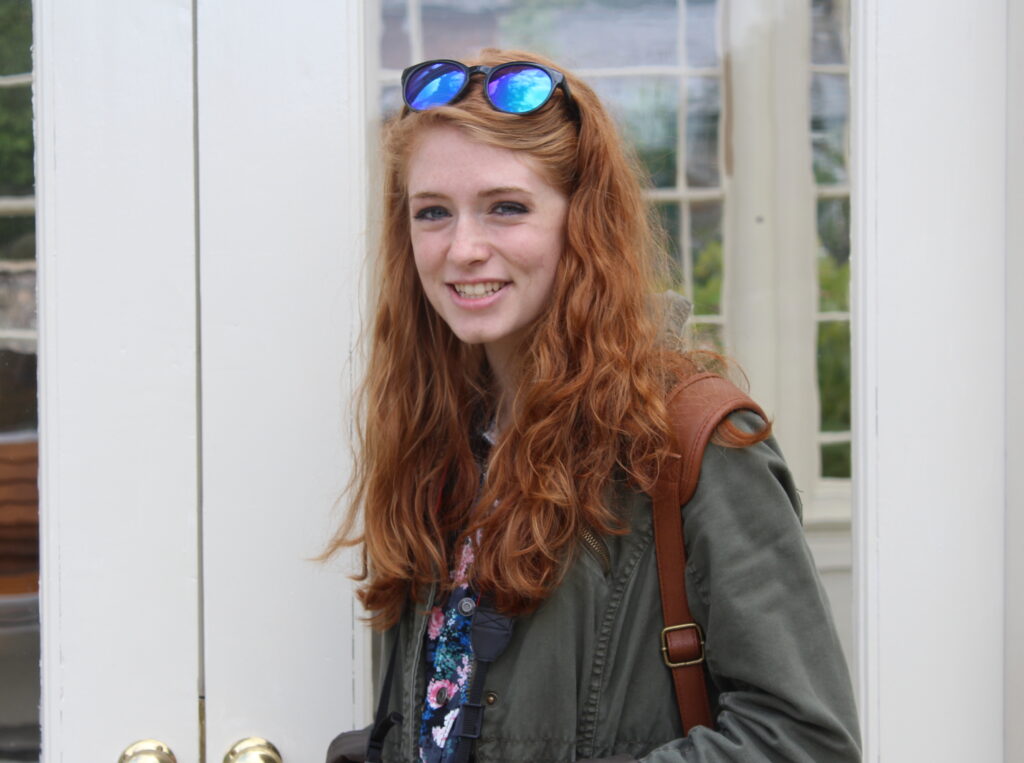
x=384 y=720
x=490 y=634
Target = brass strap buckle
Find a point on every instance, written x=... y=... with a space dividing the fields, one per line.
x=664 y=645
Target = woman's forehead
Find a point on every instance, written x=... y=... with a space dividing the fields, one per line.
x=446 y=157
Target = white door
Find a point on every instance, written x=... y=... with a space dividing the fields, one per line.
x=200 y=168
x=282 y=217
x=201 y=214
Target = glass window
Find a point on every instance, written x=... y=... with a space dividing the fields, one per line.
x=594 y=33
x=702 y=33
x=830 y=98
x=646 y=109
x=16 y=33
x=19 y=501
x=707 y=257
x=16 y=145
x=703 y=114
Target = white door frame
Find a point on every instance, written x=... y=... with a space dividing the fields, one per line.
x=1014 y=671
x=930 y=210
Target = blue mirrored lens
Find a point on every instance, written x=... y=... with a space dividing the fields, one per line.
x=518 y=89
x=433 y=85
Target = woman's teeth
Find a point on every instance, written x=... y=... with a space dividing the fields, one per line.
x=477 y=290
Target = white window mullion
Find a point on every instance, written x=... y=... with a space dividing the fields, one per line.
x=750 y=298
x=796 y=241
x=414 y=15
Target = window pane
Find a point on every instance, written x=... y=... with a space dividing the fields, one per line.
x=668 y=213
x=827 y=32
x=835 y=460
x=17 y=238
x=19 y=540
x=592 y=33
x=395 y=50
x=16 y=173
x=834 y=375
x=645 y=109
x=17 y=301
x=703 y=110
x=829 y=107
x=390 y=101
x=706 y=251
x=702 y=33
x=18 y=391
x=834 y=254
x=707 y=336
x=15 y=37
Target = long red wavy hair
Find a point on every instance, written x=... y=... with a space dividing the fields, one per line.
x=590 y=406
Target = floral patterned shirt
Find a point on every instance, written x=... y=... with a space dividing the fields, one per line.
x=449 y=663
x=448 y=651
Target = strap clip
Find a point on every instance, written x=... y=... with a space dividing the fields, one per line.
x=685 y=658
x=472 y=720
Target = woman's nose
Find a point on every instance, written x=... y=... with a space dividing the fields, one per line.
x=469 y=242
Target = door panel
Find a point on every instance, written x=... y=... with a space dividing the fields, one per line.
x=117 y=388
x=282 y=215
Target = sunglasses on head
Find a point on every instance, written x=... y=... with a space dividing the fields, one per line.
x=517 y=87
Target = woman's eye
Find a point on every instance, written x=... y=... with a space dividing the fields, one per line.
x=509 y=208
x=431 y=213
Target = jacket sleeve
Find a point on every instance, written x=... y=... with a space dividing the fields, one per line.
x=772 y=651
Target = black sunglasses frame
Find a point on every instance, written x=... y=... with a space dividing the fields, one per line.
x=557 y=81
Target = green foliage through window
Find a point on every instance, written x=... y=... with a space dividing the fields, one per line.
x=833 y=217
x=17 y=390
x=834 y=375
x=706 y=250
x=16 y=143
x=18 y=238
x=15 y=37
x=835 y=460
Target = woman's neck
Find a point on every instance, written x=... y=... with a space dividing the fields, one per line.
x=504 y=372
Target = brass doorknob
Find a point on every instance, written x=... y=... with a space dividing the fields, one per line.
x=147 y=751
x=253 y=750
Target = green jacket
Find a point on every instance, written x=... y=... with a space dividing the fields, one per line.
x=583 y=676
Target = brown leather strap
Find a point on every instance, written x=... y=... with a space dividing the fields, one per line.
x=696 y=407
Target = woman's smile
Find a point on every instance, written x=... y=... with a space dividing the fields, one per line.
x=477 y=291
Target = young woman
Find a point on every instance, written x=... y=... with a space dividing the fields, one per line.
x=514 y=423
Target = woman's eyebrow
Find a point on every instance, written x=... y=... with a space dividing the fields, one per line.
x=428 y=195
x=502 y=190
x=498 y=191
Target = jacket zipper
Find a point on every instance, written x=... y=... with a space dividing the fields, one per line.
x=597 y=546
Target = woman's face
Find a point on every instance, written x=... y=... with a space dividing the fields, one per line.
x=487 y=233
